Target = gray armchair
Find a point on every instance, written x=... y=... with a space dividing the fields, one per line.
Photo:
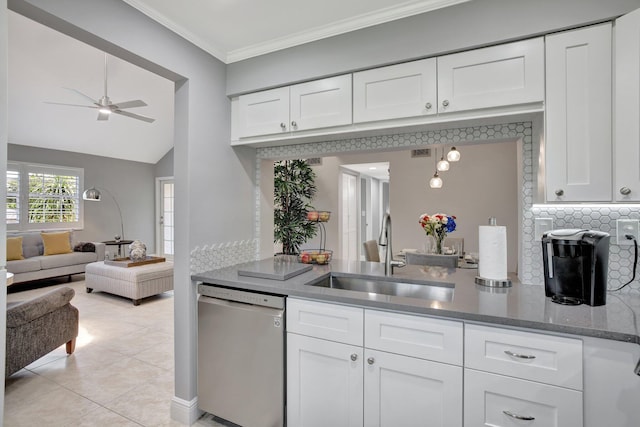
x=38 y=326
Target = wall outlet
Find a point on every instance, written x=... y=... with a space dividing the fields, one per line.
x=627 y=226
x=541 y=226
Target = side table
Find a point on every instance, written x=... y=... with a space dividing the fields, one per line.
x=119 y=244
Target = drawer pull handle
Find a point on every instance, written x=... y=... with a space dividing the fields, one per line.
x=519 y=417
x=519 y=356
x=354 y=357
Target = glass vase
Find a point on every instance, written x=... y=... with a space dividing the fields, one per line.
x=434 y=244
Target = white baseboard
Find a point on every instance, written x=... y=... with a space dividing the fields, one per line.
x=185 y=411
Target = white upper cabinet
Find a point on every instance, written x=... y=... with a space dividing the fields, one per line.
x=263 y=113
x=403 y=90
x=312 y=105
x=321 y=103
x=627 y=111
x=578 y=115
x=496 y=76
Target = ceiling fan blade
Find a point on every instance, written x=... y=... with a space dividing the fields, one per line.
x=70 y=105
x=129 y=104
x=103 y=116
x=93 y=101
x=135 y=116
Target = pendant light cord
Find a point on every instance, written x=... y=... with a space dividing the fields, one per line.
x=635 y=262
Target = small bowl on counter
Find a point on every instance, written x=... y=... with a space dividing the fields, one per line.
x=315 y=256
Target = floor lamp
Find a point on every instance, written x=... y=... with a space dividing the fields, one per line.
x=93 y=194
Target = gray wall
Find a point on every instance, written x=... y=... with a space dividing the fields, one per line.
x=467 y=25
x=131 y=183
x=203 y=158
x=164 y=167
x=3 y=172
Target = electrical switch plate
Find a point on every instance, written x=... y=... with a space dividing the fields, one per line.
x=541 y=226
x=627 y=226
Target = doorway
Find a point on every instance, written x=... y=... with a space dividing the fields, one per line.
x=165 y=216
x=366 y=205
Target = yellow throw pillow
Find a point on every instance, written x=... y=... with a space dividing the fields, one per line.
x=14 y=248
x=56 y=243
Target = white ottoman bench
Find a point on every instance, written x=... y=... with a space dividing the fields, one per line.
x=132 y=282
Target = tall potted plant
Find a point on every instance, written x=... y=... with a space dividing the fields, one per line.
x=294 y=188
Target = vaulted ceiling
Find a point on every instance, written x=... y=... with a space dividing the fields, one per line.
x=43 y=62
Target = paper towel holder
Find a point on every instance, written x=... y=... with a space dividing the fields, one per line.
x=493 y=283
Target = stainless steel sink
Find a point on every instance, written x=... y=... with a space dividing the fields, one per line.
x=438 y=291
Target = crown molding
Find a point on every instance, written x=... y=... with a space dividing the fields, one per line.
x=336 y=28
x=179 y=30
x=340 y=27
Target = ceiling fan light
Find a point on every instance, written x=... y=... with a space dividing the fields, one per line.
x=104 y=110
x=436 y=181
x=453 y=155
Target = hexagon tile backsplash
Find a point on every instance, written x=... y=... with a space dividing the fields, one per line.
x=591 y=217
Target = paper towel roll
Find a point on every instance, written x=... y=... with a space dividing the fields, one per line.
x=492 y=253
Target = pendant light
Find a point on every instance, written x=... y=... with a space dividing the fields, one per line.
x=442 y=165
x=453 y=155
x=436 y=181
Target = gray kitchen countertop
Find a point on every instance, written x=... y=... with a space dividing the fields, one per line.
x=520 y=306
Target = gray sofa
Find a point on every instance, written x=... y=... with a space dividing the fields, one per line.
x=36 y=266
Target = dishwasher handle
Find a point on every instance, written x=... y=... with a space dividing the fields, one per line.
x=245 y=297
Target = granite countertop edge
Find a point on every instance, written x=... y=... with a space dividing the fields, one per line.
x=521 y=306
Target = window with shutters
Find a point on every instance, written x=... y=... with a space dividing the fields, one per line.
x=43 y=196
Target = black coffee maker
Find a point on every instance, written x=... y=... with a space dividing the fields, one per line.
x=575 y=266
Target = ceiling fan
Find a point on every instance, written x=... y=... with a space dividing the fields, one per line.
x=104 y=105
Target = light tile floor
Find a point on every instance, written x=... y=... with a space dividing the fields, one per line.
x=121 y=373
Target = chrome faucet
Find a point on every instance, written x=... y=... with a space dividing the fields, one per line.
x=385 y=240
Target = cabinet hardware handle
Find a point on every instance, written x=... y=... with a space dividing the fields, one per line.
x=559 y=192
x=283 y=126
x=445 y=103
x=294 y=124
x=518 y=417
x=519 y=356
x=354 y=357
x=427 y=106
x=371 y=361
x=625 y=191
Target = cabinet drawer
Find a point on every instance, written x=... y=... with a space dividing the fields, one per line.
x=327 y=321
x=496 y=401
x=537 y=357
x=422 y=337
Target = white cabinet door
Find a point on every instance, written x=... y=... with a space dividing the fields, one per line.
x=497 y=401
x=578 y=115
x=627 y=111
x=321 y=103
x=405 y=391
x=263 y=113
x=403 y=90
x=495 y=76
x=324 y=383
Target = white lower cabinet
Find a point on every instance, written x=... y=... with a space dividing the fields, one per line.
x=324 y=383
x=340 y=384
x=497 y=401
x=406 y=391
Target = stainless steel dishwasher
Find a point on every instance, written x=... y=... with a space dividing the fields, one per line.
x=241 y=345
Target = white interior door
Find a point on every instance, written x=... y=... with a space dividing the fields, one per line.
x=165 y=216
x=349 y=208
